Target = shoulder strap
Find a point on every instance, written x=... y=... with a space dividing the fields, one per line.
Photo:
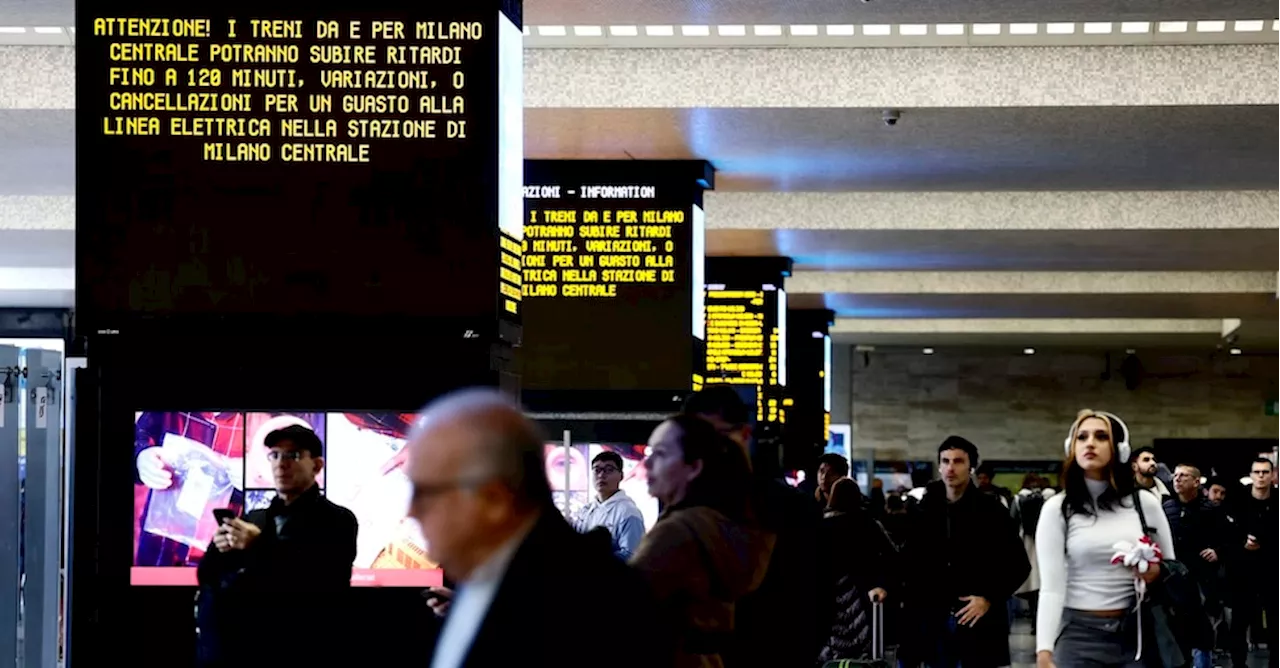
x=1142 y=516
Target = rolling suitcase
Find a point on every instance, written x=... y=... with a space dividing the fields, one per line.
x=878 y=658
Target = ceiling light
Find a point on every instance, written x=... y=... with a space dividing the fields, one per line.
x=1132 y=27
x=804 y=31
x=1097 y=28
x=768 y=31
x=659 y=31
x=877 y=30
x=1028 y=351
x=624 y=31
x=842 y=30
x=695 y=31
x=913 y=29
x=12 y=30
x=1060 y=28
x=1211 y=26
x=949 y=29
x=1275 y=25
x=526 y=30
x=986 y=28
x=551 y=31
x=732 y=31
x=1237 y=351
x=928 y=351
x=1173 y=26
x=1130 y=351
x=588 y=31
x=1023 y=28
x=54 y=30
x=1241 y=26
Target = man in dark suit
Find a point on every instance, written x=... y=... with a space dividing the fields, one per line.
x=481 y=495
x=293 y=557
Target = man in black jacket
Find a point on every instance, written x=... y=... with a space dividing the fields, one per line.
x=292 y=558
x=1199 y=532
x=962 y=560
x=481 y=495
x=1251 y=562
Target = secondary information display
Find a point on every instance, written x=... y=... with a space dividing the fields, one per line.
x=611 y=254
x=277 y=157
x=745 y=343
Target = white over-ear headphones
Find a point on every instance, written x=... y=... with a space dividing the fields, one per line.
x=1122 y=440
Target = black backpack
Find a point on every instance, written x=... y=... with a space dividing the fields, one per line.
x=1029 y=507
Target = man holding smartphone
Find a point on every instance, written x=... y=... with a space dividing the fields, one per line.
x=293 y=556
x=1251 y=567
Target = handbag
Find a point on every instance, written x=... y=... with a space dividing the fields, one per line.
x=1172 y=603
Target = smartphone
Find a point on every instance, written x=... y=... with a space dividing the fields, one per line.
x=223 y=514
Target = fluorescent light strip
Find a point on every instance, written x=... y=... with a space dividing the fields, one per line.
x=588 y=31
x=12 y=30
x=1249 y=26
x=768 y=31
x=732 y=31
x=842 y=30
x=913 y=29
x=54 y=30
x=1173 y=26
x=1211 y=26
x=1275 y=26
x=1060 y=28
x=950 y=29
x=695 y=31
x=1023 y=28
x=877 y=30
x=659 y=31
x=804 y=31
x=526 y=30
x=551 y=31
x=1135 y=27
x=986 y=28
x=624 y=31
x=1098 y=28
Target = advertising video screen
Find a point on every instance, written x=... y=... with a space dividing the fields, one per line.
x=575 y=463
x=187 y=464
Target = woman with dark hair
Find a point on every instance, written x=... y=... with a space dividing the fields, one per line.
x=1088 y=612
x=856 y=562
x=705 y=552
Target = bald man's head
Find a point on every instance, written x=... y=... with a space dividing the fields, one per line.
x=477 y=469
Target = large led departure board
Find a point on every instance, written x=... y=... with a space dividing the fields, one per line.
x=747 y=329
x=612 y=275
x=240 y=159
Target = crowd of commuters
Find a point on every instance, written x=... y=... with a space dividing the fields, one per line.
x=743 y=570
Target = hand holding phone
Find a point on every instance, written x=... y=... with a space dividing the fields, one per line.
x=223 y=515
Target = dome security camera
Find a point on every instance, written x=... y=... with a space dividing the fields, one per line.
x=891 y=117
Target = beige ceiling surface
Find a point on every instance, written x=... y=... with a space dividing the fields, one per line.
x=881 y=11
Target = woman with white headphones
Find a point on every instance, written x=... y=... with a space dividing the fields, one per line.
x=1088 y=602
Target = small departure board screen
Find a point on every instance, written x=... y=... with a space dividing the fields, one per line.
x=609 y=274
x=268 y=157
x=746 y=343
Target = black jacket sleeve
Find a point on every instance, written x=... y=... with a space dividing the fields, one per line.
x=1009 y=566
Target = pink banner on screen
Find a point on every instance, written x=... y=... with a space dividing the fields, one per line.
x=165 y=576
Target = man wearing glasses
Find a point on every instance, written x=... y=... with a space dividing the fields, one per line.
x=612 y=508
x=295 y=553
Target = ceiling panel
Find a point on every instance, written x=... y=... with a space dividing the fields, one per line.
x=1007 y=250
x=1077 y=148
x=37 y=151
x=1160 y=306
x=539 y=12
x=37 y=248
x=1015 y=343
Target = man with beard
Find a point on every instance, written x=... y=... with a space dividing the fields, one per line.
x=1145 y=473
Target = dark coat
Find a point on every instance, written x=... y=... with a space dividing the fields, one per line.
x=556 y=580
x=1196 y=526
x=302 y=570
x=969 y=548
x=857 y=556
x=1251 y=517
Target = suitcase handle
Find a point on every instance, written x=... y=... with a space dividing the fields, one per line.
x=877 y=630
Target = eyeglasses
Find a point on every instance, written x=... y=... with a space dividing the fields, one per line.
x=291 y=455
x=432 y=490
x=604 y=470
